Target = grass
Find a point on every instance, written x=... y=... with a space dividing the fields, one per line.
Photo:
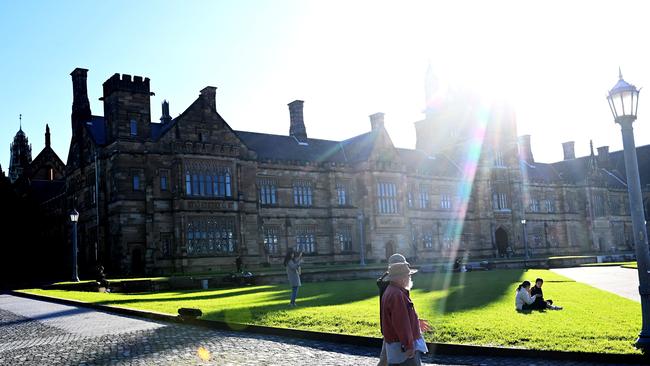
x=469 y=308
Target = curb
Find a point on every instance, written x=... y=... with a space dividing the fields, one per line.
x=434 y=348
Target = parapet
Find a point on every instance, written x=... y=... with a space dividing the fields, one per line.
x=124 y=82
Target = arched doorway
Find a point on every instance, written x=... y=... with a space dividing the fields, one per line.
x=390 y=249
x=137 y=261
x=501 y=238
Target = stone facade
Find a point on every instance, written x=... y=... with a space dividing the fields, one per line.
x=190 y=194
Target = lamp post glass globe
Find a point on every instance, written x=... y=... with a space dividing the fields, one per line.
x=74 y=215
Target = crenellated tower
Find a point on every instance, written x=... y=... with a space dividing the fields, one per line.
x=127 y=107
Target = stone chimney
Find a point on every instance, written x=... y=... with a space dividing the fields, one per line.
x=297 y=126
x=376 y=121
x=525 y=151
x=569 y=150
x=166 y=118
x=80 y=103
x=603 y=156
x=209 y=94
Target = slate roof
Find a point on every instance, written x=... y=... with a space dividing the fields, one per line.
x=278 y=147
x=439 y=165
x=97 y=128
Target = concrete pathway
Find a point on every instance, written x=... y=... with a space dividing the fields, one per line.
x=621 y=281
x=41 y=333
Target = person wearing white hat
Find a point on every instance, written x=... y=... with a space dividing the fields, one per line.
x=383 y=283
x=400 y=325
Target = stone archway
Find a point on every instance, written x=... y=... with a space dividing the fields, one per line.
x=501 y=239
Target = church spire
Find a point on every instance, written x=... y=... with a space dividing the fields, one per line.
x=20 y=121
x=47 y=135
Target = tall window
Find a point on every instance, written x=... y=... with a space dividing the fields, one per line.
x=341 y=194
x=549 y=205
x=424 y=196
x=206 y=236
x=302 y=193
x=534 y=205
x=344 y=237
x=164 y=177
x=165 y=244
x=427 y=238
x=498 y=159
x=500 y=200
x=387 y=198
x=134 y=128
x=445 y=201
x=136 y=180
x=599 y=204
x=306 y=239
x=268 y=192
x=271 y=239
x=216 y=182
x=409 y=197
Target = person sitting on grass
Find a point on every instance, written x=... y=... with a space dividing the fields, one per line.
x=540 y=303
x=523 y=300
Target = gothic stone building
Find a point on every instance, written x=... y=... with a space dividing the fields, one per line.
x=189 y=194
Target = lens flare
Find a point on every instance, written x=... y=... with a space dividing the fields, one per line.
x=203 y=354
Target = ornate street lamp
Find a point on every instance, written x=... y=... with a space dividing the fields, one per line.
x=623 y=101
x=74 y=217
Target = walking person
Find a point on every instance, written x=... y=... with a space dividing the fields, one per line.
x=293 y=261
x=382 y=284
x=400 y=325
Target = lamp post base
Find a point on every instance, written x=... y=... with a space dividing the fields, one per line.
x=643 y=343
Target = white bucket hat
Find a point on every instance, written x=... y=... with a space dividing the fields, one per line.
x=398 y=270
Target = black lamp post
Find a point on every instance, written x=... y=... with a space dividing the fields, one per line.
x=523 y=224
x=74 y=217
x=623 y=101
x=362 y=243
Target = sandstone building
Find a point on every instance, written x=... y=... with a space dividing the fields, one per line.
x=189 y=194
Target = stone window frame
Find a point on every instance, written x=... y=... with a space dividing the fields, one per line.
x=303 y=193
x=208 y=181
x=305 y=239
x=423 y=196
x=137 y=180
x=344 y=238
x=211 y=236
x=133 y=128
x=446 y=202
x=164 y=179
x=166 y=244
x=387 y=195
x=271 y=239
x=342 y=188
x=267 y=191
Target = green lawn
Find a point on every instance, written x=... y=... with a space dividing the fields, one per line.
x=469 y=308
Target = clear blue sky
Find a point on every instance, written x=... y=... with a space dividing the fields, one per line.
x=347 y=60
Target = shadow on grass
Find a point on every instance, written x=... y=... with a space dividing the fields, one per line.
x=188 y=296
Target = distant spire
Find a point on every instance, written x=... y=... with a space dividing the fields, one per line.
x=591 y=146
x=47 y=135
x=620 y=74
x=20 y=118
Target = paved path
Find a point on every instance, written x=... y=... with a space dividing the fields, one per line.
x=621 y=281
x=41 y=333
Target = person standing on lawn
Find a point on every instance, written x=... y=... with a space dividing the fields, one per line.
x=382 y=284
x=400 y=325
x=293 y=261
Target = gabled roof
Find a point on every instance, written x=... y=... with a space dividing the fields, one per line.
x=44 y=190
x=440 y=165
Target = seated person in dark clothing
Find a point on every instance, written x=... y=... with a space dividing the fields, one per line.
x=540 y=303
